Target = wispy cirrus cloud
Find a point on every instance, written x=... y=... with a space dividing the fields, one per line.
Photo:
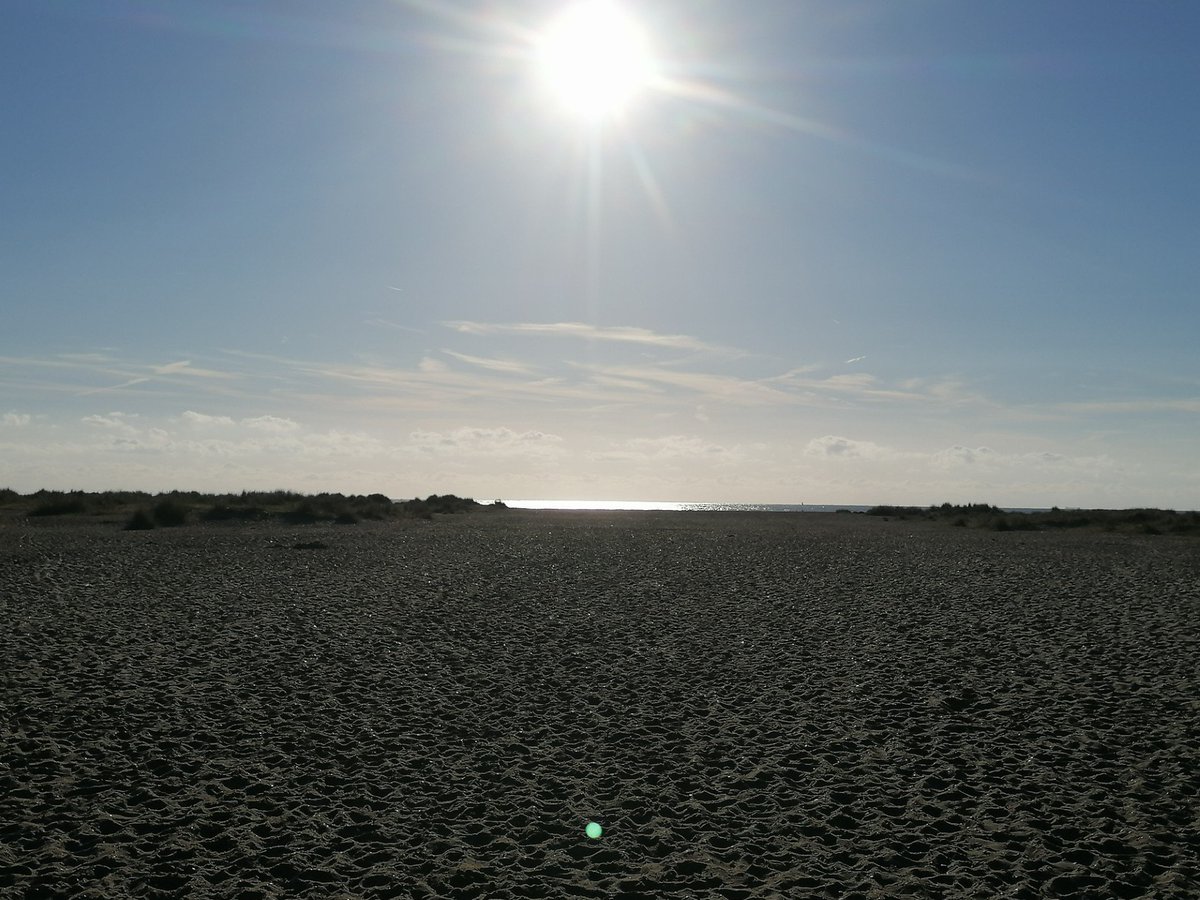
x=1133 y=407
x=469 y=384
x=59 y=361
x=435 y=385
x=712 y=385
x=105 y=357
x=396 y=326
x=141 y=379
x=627 y=384
x=66 y=372
x=796 y=386
x=495 y=365
x=616 y=333
x=853 y=386
x=185 y=367
x=192 y=432
x=168 y=372
x=96 y=366
x=654 y=387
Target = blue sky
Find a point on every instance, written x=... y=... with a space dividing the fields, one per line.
x=844 y=252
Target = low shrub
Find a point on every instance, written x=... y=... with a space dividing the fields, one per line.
x=220 y=512
x=899 y=511
x=303 y=513
x=139 y=521
x=434 y=503
x=167 y=509
x=170 y=513
x=60 y=505
x=109 y=501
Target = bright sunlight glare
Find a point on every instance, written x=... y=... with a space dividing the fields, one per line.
x=594 y=59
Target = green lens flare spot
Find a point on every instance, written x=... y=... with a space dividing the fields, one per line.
x=593 y=830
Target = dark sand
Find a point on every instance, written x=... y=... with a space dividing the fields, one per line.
x=753 y=706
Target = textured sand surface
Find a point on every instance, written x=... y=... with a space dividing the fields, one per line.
x=753 y=706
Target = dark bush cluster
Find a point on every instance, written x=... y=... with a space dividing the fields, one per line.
x=897 y=511
x=56 y=503
x=339 y=508
x=170 y=512
x=179 y=507
x=139 y=521
x=112 y=501
x=435 y=503
x=983 y=515
x=224 y=512
x=1015 y=522
x=946 y=510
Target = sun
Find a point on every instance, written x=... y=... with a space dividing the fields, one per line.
x=594 y=59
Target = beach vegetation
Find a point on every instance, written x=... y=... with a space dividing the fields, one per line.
x=56 y=503
x=170 y=512
x=140 y=521
x=894 y=511
x=174 y=508
x=225 y=512
x=993 y=518
x=1015 y=522
x=447 y=504
x=306 y=512
x=116 y=501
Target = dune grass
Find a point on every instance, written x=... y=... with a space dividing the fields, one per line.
x=141 y=510
x=984 y=515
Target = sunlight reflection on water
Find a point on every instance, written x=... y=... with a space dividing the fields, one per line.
x=680 y=506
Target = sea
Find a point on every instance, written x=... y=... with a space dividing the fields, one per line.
x=687 y=506
x=682 y=506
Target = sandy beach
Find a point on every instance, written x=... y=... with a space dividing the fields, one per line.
x=750 y=705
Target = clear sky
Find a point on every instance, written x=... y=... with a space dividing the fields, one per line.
x=835 y=252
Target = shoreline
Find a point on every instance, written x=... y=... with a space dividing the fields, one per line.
x=146 y=512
